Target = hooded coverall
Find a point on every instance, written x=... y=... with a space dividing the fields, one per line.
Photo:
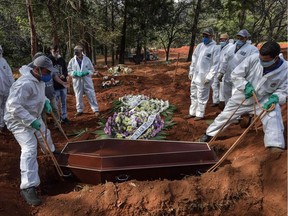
x=6 y=80
x=24 y=105
x=83 y=84
x=230 y=62
x=217 y=86
x=205 y=60
x=274 y=82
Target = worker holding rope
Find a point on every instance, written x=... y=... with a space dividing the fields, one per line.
x=260 y=82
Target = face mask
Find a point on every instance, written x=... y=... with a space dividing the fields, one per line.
x=239 y=43
x=267 y=64
x=222 y=44
x=206 y=40
x=77 y=52
x=45 y=77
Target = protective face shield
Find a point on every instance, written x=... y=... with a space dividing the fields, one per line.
x=45 y=77
x=267 y=64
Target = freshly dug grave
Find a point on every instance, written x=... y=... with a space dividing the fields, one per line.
x=252 y=181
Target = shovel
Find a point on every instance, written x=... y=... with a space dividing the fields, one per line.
x=59 y=125
x=259 y=117
x=262 y=114
x=60 y=172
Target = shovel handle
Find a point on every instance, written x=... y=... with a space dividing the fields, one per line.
x=262 y=114
x=51 y=155
x=220 y=130
x=59 y=125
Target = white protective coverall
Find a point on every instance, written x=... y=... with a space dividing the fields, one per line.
x=83 y=84
x=274 y=82
x=217 y=87
x=25 y=104
x=230 y=61
x=205 y=60
x=6 y=80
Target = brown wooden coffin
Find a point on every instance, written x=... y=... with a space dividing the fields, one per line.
x=116 y=160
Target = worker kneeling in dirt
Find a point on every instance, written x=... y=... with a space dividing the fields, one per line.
x=266 y=76
x=24 y=106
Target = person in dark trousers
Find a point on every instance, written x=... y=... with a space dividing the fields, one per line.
x=61 y=91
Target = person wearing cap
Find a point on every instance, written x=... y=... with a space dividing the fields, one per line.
x=6 y=80
x=264 y=74
x=50 y=92
x=60 y=90
x=204 y=66
x=80 y=68
x=233 y=57
x=217 y=85
x=23 y=110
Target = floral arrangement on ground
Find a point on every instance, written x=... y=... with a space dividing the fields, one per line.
x=119 y=69
x=137 y=117
x=109 y=82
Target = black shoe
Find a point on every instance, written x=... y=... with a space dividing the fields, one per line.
x=221 y=105
x=205 y=138
x=66 y=121
x=30 y=196
x=189 y=116
x=78 y=114
x=275 y=150
x=57 y=153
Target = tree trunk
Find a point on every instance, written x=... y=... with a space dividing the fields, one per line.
x=86 y=42
x=242 y=18
x=106 y=29
x=69 y=47
x=197 y=12
x=33 y=39
x=123 y=37
x=167 y=53
x=105 y=55
x=54 y=27
x=138 y=57
x=112 y=29
x=93 y=57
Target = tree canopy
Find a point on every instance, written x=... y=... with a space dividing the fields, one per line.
x=111 y=27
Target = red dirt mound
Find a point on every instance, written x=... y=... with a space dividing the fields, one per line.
x=252 y=181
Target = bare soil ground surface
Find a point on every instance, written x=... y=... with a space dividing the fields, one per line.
x=252 y=181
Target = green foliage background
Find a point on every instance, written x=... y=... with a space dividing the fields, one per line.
x=150 y=23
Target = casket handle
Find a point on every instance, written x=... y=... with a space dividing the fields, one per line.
x=122 y=177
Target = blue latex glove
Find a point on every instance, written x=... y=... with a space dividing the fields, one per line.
x=47 y=107
x=77 y=74
x=273 y=99
x=85 y=73
x=249 y=89
x=36 y=124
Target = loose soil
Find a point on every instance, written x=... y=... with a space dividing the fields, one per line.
x=252 y=181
